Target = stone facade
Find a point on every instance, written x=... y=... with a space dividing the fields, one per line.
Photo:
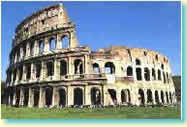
x=48 y=68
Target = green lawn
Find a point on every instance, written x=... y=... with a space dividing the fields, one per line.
x=87 y=113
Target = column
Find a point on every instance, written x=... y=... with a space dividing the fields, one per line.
x=24 y=73
x=70 y=66
x=105 y=96
x=143 y=72
x=27 y=49
x=21 y=101
x=55 y=100
x=159 y=96
x=21 y=53
x=165 y=99
x=118 y=96
x=86 y=64
x=32 y=72
x=31 y=98
x=87 y=96
x=36 y=48
x=46 y=45
x=55 y=70
x=42 y=97
x=145 y=96
x=70 y=95
x=14 y=97
x=153 y=97
x=58 y=42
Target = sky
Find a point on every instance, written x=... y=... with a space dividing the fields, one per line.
x=151 y=25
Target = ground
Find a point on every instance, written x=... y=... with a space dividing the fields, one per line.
x=87 y=113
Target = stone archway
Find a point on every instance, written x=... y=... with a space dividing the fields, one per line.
x=26 y=96
x=78 y=96
x=95 y=96
x=62 y=97
x=141 y=97
x=156 y=97
x=48 y=96
x=162 y=97
x=17 y=96
x=36 y=92
x=125 y=96
x=112 y=93
x=149 y=96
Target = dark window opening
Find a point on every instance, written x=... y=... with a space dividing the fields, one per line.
x=109 y=68
x=28 y=74
x=138 y=62
x=112 y=93
x=41 y=46
x=129 y=71
x=139 y=74
x=63 y=67
x=159 y=75
x=32 y=49
x=125 y=96
x=162 y=66
x=162 y=96
x=17 y=96
x=156 y=97
x=164 y=76
x=50 y=69
x=62 y=97
x=38 y=70
x=21 y=72
x=95 y=96
x=146 y=74
x=141 y=97
x=153 y=74
x=26 y=96
x=36 y=96
x=78 y=66
x=149 y=96
x=48 y=96
x=167 y=97
x=156 y=57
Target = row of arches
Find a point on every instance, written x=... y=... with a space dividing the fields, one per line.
x=47 y=93
x=29 y=48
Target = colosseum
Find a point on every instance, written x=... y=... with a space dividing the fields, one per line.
x=48 y=68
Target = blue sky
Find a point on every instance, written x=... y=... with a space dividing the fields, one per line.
x=152 y=25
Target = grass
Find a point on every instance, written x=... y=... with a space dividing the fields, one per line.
x=88 y=113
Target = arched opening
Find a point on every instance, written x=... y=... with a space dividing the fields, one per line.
x=170 y=96
x=129 y=71
x=146 y=74
x=11 y=96
x=96 y=68
x=141 y=97
x=48 y=96
x=139 y=74
x=95 y=96
x=164 y=77
x=28 y=70
x=52 y=43
x=112 y=93
x=26 y=96
x=78 y=66
x=36 y=96
x=31 y=48
x=50 y=68
x=38 y=70
x=162 y=66
x=138 y=62
x=20 y=72
x=63 y=67
x=62 y=97
x=153 y=74
x=156 y=97
x=125 y=96
x=78 y=96
x=65 y=42
x=17 y=96
x=167 y=97
x=109 y=68
x=162 y=97
x=159 y=75
x=24 y=51
x=41 y=46
x=149 y=96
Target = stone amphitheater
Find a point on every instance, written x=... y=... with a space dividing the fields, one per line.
x=48 y=68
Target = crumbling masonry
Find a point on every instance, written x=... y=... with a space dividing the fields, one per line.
x=48 y=68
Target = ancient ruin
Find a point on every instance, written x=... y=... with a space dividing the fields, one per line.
x=48 y=68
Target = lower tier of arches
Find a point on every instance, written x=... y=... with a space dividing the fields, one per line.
x=85 y=95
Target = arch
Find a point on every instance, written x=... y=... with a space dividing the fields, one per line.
x=109 y=68
x=149 y=96
x=20 y=72
x=112 y=93
x=78 y=96
x=170 y=96
x=167 y=97
x=48 y=96
x=41 y=46
x=24 y=50
x=141 y=97
x=156 y=97
x=31 y=48
x=146 y=74
x=164 y=77
x=96 y=68
x=162 y=97
x=63 y=67
x=28 y=70
x=26 y=96
x=78 y=66
x=50 y=68
x=139 y=74
x=153 y=74
x=17 y=96
x=95 y=96
x=38 y=69
x=36 y=92
x=162 y=66
x=159 y=75
x=65 y=42
x=129 y=71
x=138 y=62
x=52 y=43
x=125 y=96
x=62 y=97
